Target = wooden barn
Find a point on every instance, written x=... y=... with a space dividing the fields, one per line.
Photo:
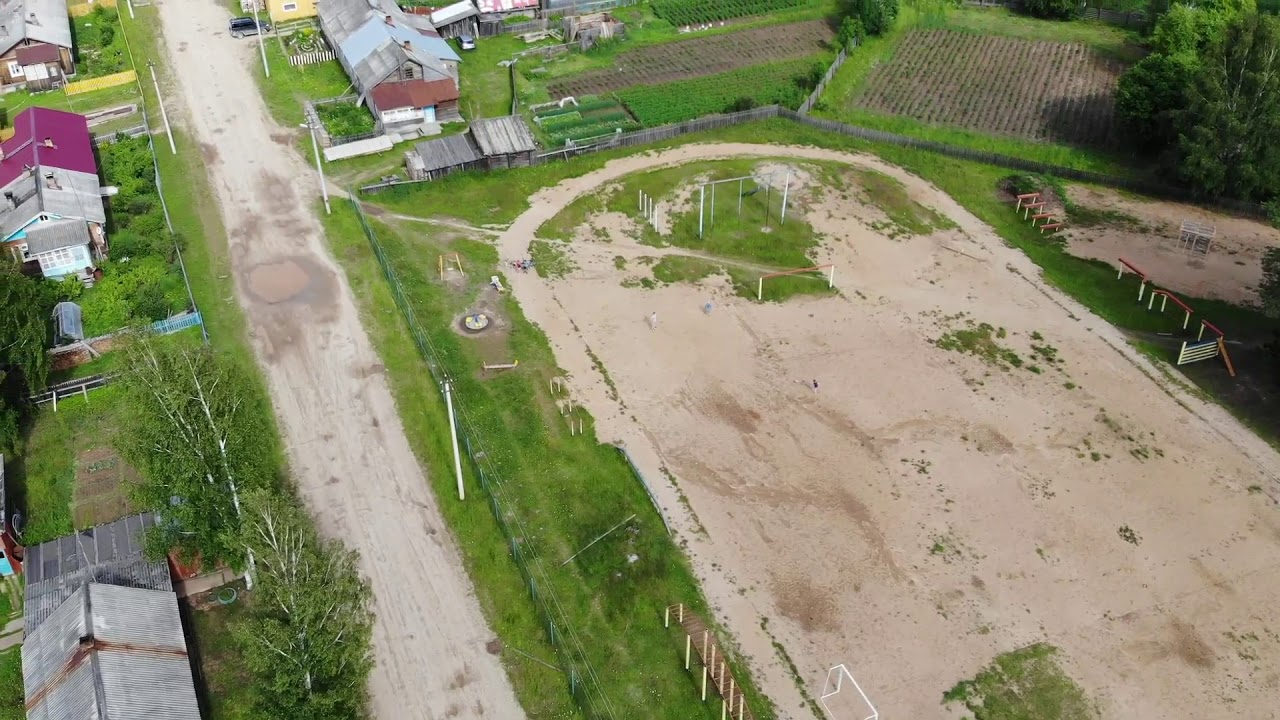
x=436 y=158
x=489 y=144
x=505 y=142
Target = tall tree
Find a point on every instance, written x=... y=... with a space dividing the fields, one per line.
x=307 y=641
x=1228 y=132
x=24 y=334
x=199 y=442
x=1269 y=288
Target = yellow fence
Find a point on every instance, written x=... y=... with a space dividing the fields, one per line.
x=6 y=133
x=98 y=83
x=82 y=9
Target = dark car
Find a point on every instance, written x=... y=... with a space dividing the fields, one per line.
x=466 y=42
x=242 y=26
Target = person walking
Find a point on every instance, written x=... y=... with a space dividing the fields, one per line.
x=653 y=321
x=815 y=386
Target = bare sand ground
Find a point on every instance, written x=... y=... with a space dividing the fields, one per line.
x=347 y=449
x=923 y=511
x=1230 y=271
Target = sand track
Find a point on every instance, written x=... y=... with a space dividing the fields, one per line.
x=823 y=513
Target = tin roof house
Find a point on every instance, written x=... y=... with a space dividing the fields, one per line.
x=400 y=67
x=35 y=44
x=52 y=217
x=103 y=638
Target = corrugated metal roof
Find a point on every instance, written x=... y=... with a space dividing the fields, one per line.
x=72 y=195
x=503 y=135
x=370 y=48
x=453 y=13
x=56 y=234
x=50 y=23
x=110 y=652
x=110 y=553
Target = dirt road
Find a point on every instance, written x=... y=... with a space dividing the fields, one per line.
x=346 y=446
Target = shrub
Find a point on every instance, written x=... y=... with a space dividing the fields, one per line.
x=851 y=32
x=1053 y=9
x=877 y=16
x=345 y=119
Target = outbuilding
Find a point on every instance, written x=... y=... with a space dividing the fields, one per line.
x=505 y=142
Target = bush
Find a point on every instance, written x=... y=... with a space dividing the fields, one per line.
x=876 y=16
x=345 y=119
x=1053 y=9
x=851 y=32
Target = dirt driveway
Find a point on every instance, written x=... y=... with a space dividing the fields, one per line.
x=346 y=446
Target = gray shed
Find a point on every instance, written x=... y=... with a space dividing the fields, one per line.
x=111 y=553
x=110 y=652
x=505 y=142
x=436 y=158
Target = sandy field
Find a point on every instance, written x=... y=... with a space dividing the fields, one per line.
x=1149 y=239
x=924 y=511
x=347 y=450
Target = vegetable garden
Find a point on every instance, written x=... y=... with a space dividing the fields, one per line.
x=591 y=117
x=695 y=12
x=1039 y=90
x=699 y=57
x=785 y=83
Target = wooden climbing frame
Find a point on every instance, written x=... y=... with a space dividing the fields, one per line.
x=700 y=638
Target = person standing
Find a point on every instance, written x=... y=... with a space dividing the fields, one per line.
x=653 y=321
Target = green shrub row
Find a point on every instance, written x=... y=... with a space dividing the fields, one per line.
x=693 y=12
x=614 y=118
x=592 y=130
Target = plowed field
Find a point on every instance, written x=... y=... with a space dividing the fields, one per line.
x=700 y=56
x=1040 y=90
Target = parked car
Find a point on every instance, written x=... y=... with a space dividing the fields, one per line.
x=243 y=26
x=466 y=42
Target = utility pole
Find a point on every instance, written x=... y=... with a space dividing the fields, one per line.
x=265 y=68
x=315 y=147
x=173 y=148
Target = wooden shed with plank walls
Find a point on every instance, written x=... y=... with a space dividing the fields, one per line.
x=505 y=142
x=436 y=158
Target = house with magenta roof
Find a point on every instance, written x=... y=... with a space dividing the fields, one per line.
x=52 y=217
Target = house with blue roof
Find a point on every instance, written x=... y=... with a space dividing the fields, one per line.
x=399 y=65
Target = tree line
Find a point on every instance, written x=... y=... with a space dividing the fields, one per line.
x=200 y=435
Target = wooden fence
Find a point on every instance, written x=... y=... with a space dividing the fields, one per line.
x=99 y=83
x=314 y=57
x=82 y=9
x=715 y=122
x=810 y=101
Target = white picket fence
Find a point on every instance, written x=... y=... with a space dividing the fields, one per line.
x=312 y=58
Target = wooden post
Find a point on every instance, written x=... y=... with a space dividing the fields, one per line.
x=688 y=645
x=1151 y=302
x=1199 y=337
x=704 y=683
x=667 y=620
x=680 y=611
x=1164 y=300
x=1186 y=320
x=1142 y=289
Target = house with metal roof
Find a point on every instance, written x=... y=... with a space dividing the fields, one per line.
x=103 y=638
x=381 y=46
x=110 y=652
x=52 y=217
x=35 y=43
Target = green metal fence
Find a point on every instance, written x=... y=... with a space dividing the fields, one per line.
x=581 y=678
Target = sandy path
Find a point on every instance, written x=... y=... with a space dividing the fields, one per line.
x=347 y=449
x=821 y=513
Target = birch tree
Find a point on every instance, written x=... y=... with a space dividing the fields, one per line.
x=307 y=639
x=23 y=334
x=200 y=439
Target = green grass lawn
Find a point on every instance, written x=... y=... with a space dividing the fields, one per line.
x=289 y=86
x=15 y=102
x=223 y=680
x=566 y=489
x=485 y=85
x=12 y=700
x=42 y=478
x=99 y=46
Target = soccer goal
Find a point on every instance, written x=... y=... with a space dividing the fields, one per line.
x=817 y=272
x=843 y=699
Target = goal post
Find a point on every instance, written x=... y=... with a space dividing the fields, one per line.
x=843 y=693
x=825 y=272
